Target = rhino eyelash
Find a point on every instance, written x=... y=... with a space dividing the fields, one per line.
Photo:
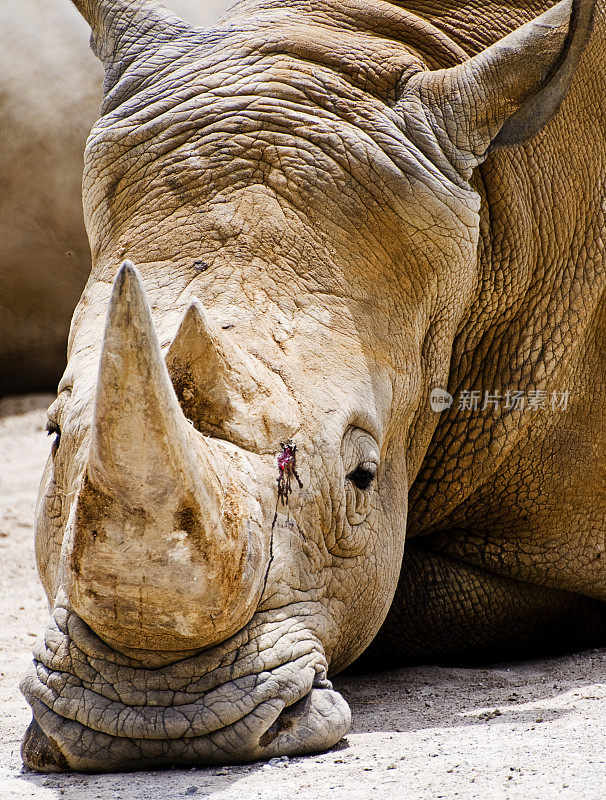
x=53 y=429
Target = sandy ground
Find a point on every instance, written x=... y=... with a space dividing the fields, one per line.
x=520 y=730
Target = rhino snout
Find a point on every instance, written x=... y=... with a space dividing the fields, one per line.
x=260 y=695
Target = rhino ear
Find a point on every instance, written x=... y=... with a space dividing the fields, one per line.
x=505 y=94
x=124 y=30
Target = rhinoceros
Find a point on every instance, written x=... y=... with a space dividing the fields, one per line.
x=50 y=89
x=347 y=290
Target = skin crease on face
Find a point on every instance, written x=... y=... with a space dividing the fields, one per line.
x=296 y=248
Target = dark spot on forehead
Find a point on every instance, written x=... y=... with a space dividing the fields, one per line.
x=185 y=519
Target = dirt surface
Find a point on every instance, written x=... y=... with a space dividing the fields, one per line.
x=520 y=730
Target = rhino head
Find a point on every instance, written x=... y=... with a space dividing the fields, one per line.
x=221 y=522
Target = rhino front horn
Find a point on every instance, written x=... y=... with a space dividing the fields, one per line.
x=142 y=447
x=154 y=562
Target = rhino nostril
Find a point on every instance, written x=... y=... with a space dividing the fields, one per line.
x=313 y=724
x=286 y=721
x=40 y=752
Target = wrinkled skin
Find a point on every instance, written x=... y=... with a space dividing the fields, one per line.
x=50 y=90
x=322 y=238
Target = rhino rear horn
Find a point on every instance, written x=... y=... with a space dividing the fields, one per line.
x=199 y=366
x=505 y=94
x=225 y=390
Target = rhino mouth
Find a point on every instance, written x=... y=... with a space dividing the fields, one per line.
x=96 y=710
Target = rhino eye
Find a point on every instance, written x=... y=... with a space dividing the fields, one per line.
x=363 y=475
